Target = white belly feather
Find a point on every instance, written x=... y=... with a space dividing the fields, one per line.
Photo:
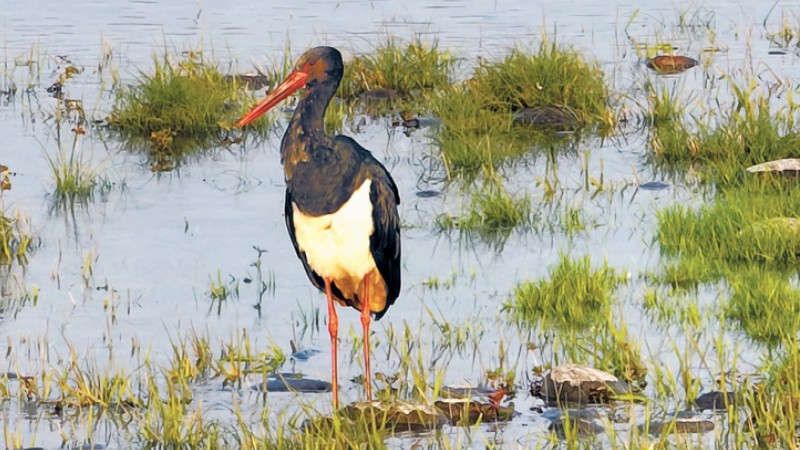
x=337 y=244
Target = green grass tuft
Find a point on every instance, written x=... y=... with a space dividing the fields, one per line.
x=575 y=297
x=181 y=107
x=747 y=134
x=743 y=225
x=765 y=305
x=775 y=403
x=74 y=176
x=412 y=71
x=478 y=129
x=554 y=75
x=493 y=213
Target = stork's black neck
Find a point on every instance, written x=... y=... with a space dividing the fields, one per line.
x=310 y=112
x=308 y=122
x=321 y=171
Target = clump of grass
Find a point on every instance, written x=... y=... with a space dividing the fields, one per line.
x=478 y=129
x=190 y=362
x=359 y=430
x=743 y=225
x=493 y=213
x=182 y=106
x=765 y=305
x=220 y=291
x=17 y=241
x=775 y=404
x=169 y=421
x=554 y=75
x=415 y=70
x=750 y=133
x=575 y=296
x=474 y=139
x=665 y=106
x=749 y=237
x=93 y=387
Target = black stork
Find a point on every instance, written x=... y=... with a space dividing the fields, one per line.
x=341 y=203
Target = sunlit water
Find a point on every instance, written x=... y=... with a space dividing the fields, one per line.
x=159 y=241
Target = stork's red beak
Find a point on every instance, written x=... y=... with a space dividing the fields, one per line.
x=292 y=83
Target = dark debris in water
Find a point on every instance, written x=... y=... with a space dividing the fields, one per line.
x=305 y=354
x=679 y=426
x=55 y=89
x=581 y=427
x=411 y=122
x=428 y=193
x=715 y=401
x=464 y=392
x=290 y=382
x=552 y=116
x=654 y=186
x=379 y=94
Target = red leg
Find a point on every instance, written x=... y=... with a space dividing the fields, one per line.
x=333 y=329
x=365 y=318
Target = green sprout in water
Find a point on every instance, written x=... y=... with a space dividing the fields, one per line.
x=74 y=176
x=219 y=291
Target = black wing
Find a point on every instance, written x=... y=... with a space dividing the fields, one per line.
x=385 y=239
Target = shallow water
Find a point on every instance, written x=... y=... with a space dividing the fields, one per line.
x=157 y=243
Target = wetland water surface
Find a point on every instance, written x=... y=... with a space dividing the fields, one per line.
x=127 y=276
